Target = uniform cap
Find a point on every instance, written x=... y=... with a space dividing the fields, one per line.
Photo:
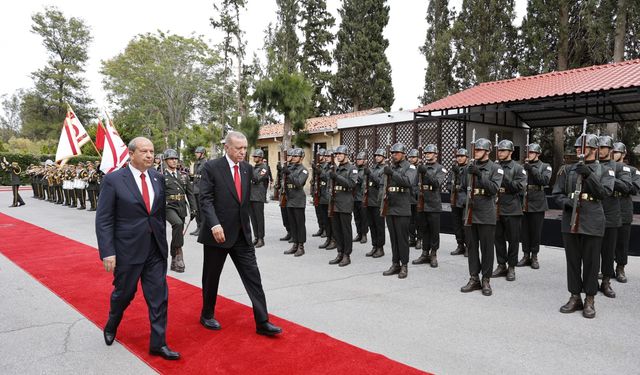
x=413 y=153
x=399 y=147
x=431 y=148
x=258 y=152
x=342 y=149
x=505 y=144
x=483 y=144
x=170 y=154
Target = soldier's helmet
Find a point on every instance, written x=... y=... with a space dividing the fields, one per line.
x=361 y=156
x=158 y=156
x=380 y=152
x=505 y=144
x=462 y=152
x=170 y=154
x=49 y=162
x=534 y=147
x=605 y=141
x=430 y=148
x=342 y=149
x=297 y=152
x=591 y=141
x=413 y=153
x=483 y=144
x=619 y=147
x=258 y=152
x=321 y=152
x=201 y=149
x=399 y=147
x=290 y=151
x=328 y=152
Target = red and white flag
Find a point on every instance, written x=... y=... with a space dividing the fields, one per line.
x=72 y=137
x=115 y=153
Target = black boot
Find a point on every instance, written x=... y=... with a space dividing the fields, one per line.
x=324 y=234
x=534 y=261
x=433 y=259
x=357 y=238
x=525 y=261
x=620 y=276
x=511 y=273
x=292 y=250
x=404 y=272
x=370 y=253
x=346 y=260
x=459 y=250
x=589 y=311
x=300 y=251
x=287 y=237
x=325 y=244
x=412 y=242
x=318 y=233
x=337 y=260
x=363 y=239
x=419 y=244
x=473 y=284
x=574 y=304
x=486 y=287
x=379 y=252
x=500 y=271
x=423 y=258
x=260 y=242
x=393 y=270
x=605 y=287
x=179 y=261
x=332 y=245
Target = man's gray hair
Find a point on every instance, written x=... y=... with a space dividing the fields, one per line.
x=133 y=144
x=235 y=135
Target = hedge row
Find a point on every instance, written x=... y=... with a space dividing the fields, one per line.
x=24 y=160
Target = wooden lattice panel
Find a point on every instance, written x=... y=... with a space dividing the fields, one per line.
x=348 y=138
x=427 y=132
x=367 y=142
x=384 y=136
x=404 y=135
x=451 y=139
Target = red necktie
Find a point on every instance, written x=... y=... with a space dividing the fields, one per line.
x=236 y=181
x=145 y=192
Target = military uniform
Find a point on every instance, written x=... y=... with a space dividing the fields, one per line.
x=14 y=171
x=534 y=207
x=316 y=191
x=626 y=214
x=375 y=183
x=325 y=197
x=343 y=181
x=197 y=170
x=93 y=180
x=296 y=177
x=416 y=219
x=283 y=208
x=431 y=178
x=458 y=197
x=257 y=199
x=177 y=193
x=359 y=211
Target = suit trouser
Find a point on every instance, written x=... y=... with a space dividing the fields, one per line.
x=458 y=225
x=285 y=218
x=320 y=218
x=481 y=241
x=360 y=218
x=256 y=210
x=608 y=251
x=622 y=245
x=376 y=224
x=430 y=230
x=531 y=232
x=342 y=232
x=399 y=238
x=508 y=230
x=243 y=256
x=177 y=227
x=152 y=273
x=297 y=226
x=17 y=199
x=583 y=261
x=324 y=210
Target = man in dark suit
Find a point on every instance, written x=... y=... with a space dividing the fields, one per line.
x=131 y=228
x=224 y=203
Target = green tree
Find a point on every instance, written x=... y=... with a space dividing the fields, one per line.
x=438 y=79
x=250 y=127
x=363 y=77
x=286 y=44
x=160 y=83
x=10 y=121
x=315 y=59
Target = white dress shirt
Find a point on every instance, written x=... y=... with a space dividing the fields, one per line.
x=136 y=176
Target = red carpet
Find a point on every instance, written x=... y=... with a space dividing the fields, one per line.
x=73 y=271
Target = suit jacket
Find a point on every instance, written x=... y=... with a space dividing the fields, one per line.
x=123 y=225
x=219 y=202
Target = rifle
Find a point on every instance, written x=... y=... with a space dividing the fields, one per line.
x=454 y=191
x=498 y=193
x=526 y=160
x=387 y=182
x=420 y=204
x=332 y=199
x=578 y=192
x=316 y=181
x=283 y=186
x=471 y=184
x=276 y=191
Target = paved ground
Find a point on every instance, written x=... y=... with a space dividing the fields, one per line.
x=423 y=321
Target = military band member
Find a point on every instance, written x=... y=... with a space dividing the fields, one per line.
x=484 y=177
x=14 y=172
x=296 y=178
x=431 y=176
x=458 y=199
x=626 y=212
x=177 y=193
x=93 y=181
x=79 y=184
x=343 y=181
x=399 y=176
x=259 y=184
x=278 y=186
x=415 y=230
x=359 y=211
x=534 y=206
x=375 y=177
x=583 y=242
x=508 y=212
x=612 y=212
x=325 y=197
x=200 y=153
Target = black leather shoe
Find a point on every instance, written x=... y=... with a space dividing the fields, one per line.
x=109 y=337
x=210 y=323
x=165 y=353
x=268 y=329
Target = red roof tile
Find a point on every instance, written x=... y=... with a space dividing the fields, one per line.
x=589 y=79
x=316 y=124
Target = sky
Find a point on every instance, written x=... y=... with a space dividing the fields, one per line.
x=114 y=23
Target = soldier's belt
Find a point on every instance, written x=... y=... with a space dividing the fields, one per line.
x=501 y=190
x=584 y=196
x=323 y=183
x=619 y=194
x=341 y=188
x=291 y=186
x=396 y=189
x=370 y=183
x=535 y=187
x=457 y=187
x=427 y=187
x=480 y=192
x=175 y=197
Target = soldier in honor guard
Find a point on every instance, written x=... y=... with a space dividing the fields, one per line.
x=279 y=186
x=396 y=207
x=534 y=206
x=325 y=197
x=508 y=212
x=14 y=171
x=318 y=159
x=296 y=176
x=200 y=153
x=93 y=179
x=415 y=229
x=612 y=212
x=431 y=177
x=259 y=184
x=374 y=179
x=359 y=211
x=177 y=194
x=343 y=180
x=80 y=184
x=626 y=212
x=458 y=195
x=579 y=189
x=484 y=178
x=157 y=163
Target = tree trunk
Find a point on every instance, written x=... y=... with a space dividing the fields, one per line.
x=563 y=63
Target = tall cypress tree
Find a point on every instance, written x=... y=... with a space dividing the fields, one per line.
x=315 y=60
x=363 y=78
x=286 y=42
x=438 y=78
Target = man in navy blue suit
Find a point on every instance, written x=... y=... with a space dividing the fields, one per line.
x=131 y=232
x=225 y=185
